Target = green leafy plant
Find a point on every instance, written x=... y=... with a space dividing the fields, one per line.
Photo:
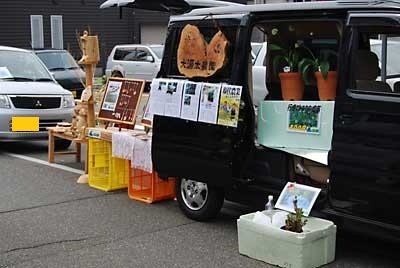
x=288 y=56
x=313 y=64
x=295 y=221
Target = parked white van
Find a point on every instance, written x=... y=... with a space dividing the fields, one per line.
x=135 y=61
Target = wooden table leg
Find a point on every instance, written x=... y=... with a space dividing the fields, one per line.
x=51 y=147
x=78 y=151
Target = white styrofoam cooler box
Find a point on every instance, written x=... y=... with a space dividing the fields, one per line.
x=312 y=248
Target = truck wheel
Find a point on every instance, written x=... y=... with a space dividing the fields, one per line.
x=197 y=200
x=62 y=144
x=116 y=74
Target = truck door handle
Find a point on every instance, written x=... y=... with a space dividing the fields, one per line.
x=346 y=118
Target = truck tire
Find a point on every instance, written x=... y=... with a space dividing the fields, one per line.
x=197 y=200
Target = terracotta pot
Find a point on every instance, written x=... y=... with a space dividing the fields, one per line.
x=292 y=86
x=326 y=87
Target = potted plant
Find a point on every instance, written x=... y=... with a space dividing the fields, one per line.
x=291 y=82
x=326 y=79
x=295 y=222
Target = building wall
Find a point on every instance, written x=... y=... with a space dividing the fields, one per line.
x=78 y=15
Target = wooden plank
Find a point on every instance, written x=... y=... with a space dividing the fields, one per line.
x=65 y=152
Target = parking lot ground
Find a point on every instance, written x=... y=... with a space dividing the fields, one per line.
x=48 y=220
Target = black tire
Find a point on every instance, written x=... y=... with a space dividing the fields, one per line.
x=212 y=204
x=116 y=74
x=62 y=144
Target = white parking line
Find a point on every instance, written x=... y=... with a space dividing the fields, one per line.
x=42 y=162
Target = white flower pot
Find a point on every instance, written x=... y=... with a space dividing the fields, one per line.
x=312 y=248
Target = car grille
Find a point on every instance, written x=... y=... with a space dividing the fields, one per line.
x=43 y=124
x=32 y=102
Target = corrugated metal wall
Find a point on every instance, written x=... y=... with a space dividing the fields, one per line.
x=78 y=15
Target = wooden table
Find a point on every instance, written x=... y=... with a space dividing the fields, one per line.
x=53 y=133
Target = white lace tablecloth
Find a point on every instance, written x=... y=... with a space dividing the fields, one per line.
x=134 y=148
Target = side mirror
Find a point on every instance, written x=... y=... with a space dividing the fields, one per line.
x=149 y=58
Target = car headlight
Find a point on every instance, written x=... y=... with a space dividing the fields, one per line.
x=68 y=101
x=4 y=102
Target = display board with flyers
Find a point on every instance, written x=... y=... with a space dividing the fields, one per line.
x=121 y=100
x=212 y=103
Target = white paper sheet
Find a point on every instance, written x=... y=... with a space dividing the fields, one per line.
x=157 y=95
x=209 y=103
x=173 y=98
x=190 y=101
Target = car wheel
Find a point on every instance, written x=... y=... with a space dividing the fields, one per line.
x=62 y=144
x=116 y=74
x=197 y=200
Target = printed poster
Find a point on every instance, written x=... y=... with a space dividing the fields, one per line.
x=173 y=98
x=190 y=102
x=209 y=103
x=228 y=113
x=303 y=118
x=305 y=195
x=111 y=96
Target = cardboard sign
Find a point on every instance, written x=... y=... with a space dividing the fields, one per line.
x=121 y=100
x=196 y=58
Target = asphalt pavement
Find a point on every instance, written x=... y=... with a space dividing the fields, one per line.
x=48 y=220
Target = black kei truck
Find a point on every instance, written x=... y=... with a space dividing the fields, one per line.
x=360 y=173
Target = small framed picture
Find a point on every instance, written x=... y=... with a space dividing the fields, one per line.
x=306 y=196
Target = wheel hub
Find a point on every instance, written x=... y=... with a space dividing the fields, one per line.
x=194 y=193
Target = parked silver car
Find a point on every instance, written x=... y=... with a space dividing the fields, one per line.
x=27 y=89
x=135 y=61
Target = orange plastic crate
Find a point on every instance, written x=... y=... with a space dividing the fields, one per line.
x=148 y=187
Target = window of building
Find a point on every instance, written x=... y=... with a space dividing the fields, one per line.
x=37 y=40
x=56 y=32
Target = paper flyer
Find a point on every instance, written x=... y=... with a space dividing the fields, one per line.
x=228 y=113
x=173 y=98
x=305 y=195
x=209 y=103
x=158 y=89
x=304 y=118
x=111 y=96
x=190 y=102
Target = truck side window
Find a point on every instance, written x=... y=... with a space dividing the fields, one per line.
x=377 y=63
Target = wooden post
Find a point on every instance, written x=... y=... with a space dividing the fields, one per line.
x=90 y=57
x=51 y=147
x=89 y=71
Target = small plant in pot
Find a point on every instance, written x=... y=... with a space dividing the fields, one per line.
x=295 y=222
x=291 y=82
x=326 y=79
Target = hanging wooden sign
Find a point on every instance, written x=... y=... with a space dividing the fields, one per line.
x=121 y=100
x=196 y=58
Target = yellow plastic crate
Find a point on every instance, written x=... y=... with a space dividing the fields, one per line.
x=106 y=173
